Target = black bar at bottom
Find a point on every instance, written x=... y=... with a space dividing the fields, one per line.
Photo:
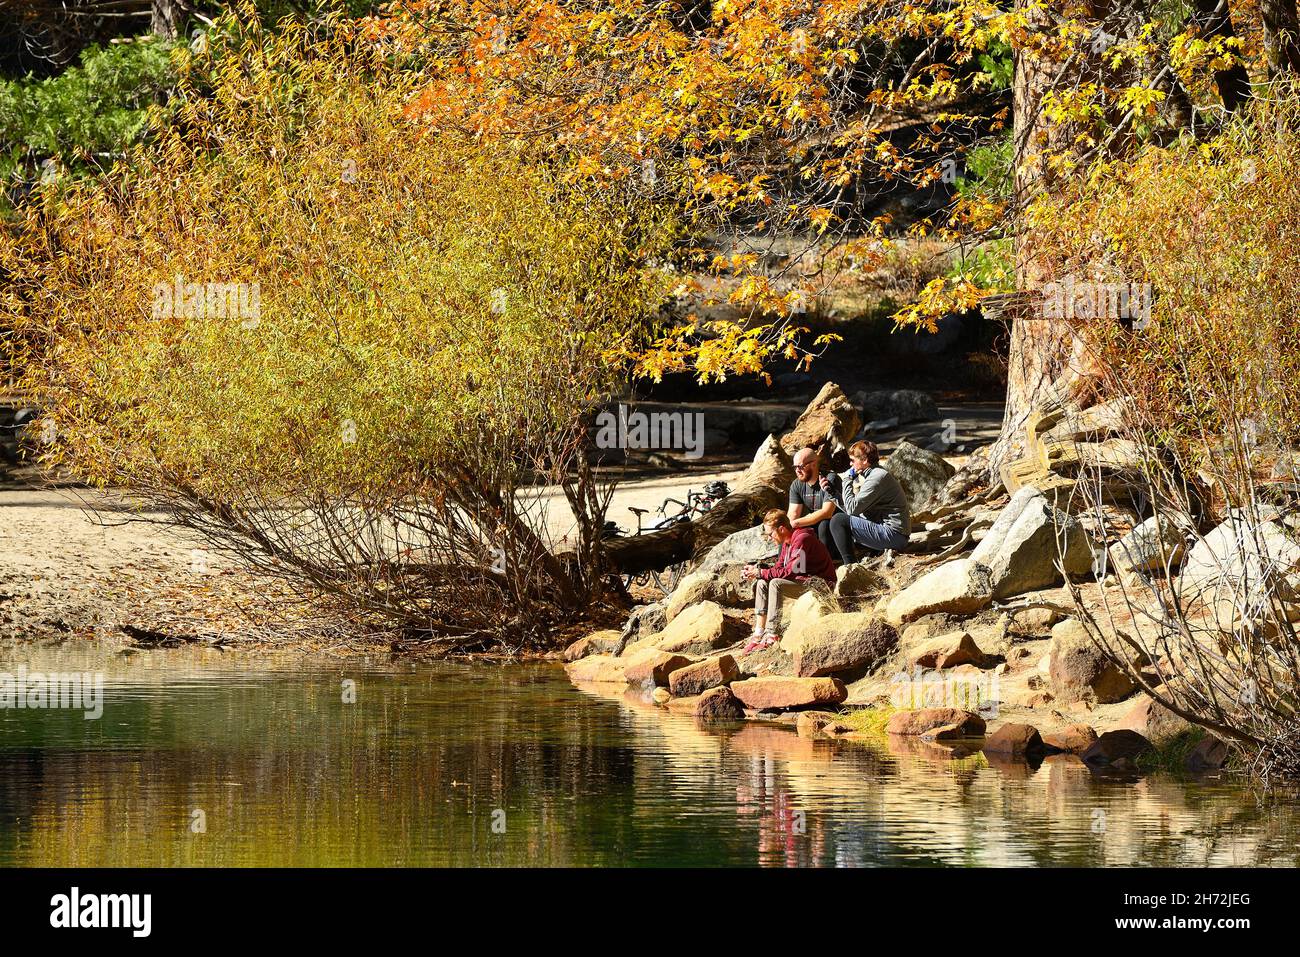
x=608 y=907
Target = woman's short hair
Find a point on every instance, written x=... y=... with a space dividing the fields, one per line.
x=777 y=519
x=866 y=450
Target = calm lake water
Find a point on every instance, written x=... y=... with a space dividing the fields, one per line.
x=471 y=765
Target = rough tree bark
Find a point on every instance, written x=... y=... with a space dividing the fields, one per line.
x=1043 y=352
x=1281 y=36
x=167 y=17
x=1039 y=345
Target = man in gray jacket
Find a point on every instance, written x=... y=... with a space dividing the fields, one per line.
x=872 y=505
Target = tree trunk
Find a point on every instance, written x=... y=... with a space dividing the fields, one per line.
x=1281 y=36
x=1215 y=20
x=1038 y=344
x=763 y=486
x=167 y=18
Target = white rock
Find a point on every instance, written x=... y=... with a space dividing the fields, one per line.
x=959 y=587
x=1238 y=558
x=1026 y=543
x=1151 y=546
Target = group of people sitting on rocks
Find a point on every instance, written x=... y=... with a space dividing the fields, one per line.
x=830 y=517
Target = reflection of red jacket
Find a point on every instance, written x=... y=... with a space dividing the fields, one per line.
x=801 y=558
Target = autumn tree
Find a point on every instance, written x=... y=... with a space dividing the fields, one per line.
x=345 y=349
x=771 y=117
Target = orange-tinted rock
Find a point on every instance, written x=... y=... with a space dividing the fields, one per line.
x=600 y=643
x=1079 y=671
x=596 y=668
x=1015 y=739
x=923 y=720
x=1154 y=721
x=782 y=693
x=718 y=704
x=947 y=651
x=654 y=668
x=1120 y=748
x=700 y=677
x=699 y=629
x=1210 y=754
x=1072 y=739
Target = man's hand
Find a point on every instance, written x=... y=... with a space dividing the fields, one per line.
x=749 y=571
x=826 y=482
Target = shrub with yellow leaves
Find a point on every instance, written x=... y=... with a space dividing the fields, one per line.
x=343 y=346
x=1204 y=369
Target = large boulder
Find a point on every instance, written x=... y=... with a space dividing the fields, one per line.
x=698 y=587
x=718 y=704
x=1078 y=671
x=1209 y=754
x=796 y=616
x=1015 y=739
x=772 y=467
x=841 y=643
x=830 y=422
x=960 y=587
x=945 y=651
x=1152 y=546
x=1154 y=721
x=924 y=721
x=598 y=669
x=922 y=474
x=644 y=620
x=652 y=668
x=1032 y=622
x=699 y=629
x=1117 y=749
x=1026 y=543
x=607 y=642
x=1245 y=559
x=748 y=546
x=783 y=694
x=1072 y=739
x=905 y=405
x=703 y=675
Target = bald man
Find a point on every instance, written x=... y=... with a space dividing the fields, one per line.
x=812 y=504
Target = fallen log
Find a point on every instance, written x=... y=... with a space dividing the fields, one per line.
x=764 y=485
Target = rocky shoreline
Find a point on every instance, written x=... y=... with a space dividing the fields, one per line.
x=972 y=639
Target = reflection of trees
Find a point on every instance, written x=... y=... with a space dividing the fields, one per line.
x=286 y=773
x=410 y=774
x=909 y=802
x=18 y=770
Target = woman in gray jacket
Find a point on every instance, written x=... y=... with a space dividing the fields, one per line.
x=872 y=506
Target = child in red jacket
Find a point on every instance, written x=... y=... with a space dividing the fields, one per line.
x=803 y=558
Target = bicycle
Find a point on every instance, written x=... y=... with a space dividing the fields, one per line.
x=697 y=503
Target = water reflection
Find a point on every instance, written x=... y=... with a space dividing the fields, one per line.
x=509 y=765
